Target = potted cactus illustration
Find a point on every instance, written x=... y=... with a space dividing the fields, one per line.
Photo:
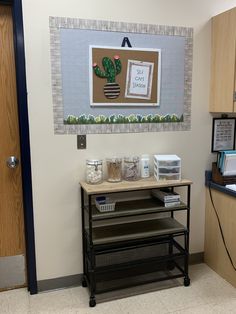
x=111 y=69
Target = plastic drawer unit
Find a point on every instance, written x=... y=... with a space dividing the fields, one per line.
x=167 y=167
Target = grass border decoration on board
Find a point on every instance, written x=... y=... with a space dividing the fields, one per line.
x=85 y=124
x=116 y=119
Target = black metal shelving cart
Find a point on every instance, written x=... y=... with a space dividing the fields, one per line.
x=139 y=242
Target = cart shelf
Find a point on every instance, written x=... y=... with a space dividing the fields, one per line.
x=134 y=207
x=136 y=230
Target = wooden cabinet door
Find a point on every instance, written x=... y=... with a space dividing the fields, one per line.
x=235 y=84
x=215 y=255
x=223 y=62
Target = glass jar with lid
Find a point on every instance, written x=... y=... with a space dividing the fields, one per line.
x=131 y=168
x=114 y=169
x=94 y=172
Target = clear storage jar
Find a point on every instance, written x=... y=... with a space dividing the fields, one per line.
x=94 y=171
x=131 y=168
x=114 y=169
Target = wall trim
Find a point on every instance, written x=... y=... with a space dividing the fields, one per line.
x=75 y=280
x=196 y=258
x=59 y=283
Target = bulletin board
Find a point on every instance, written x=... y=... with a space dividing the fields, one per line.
x=158 y=56
x=137 y=83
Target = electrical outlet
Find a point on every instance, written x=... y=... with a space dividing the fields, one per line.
x=81 y=141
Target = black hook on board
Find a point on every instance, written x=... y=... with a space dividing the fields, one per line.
x=126 y=41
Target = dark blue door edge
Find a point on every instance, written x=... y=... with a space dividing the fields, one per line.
x=24 y=142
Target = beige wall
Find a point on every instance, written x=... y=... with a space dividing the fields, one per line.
x=57 y=165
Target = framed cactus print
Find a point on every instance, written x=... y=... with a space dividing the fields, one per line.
x=124 y=76
x=99 y=86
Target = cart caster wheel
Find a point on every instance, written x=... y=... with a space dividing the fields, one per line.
x=170 y=265
x=92 y=302
x=84 y=283
x=186 y=282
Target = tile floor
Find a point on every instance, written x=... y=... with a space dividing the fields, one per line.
x=208 y=293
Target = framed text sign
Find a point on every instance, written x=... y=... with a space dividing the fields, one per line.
x=139 y=80
x=223 y=134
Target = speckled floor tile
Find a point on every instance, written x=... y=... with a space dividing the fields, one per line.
x=14 y=301
x=207 y=294
x=222 y=308
x=51 y=302
x=180 y=298
x=211 y=287
x=146 y=303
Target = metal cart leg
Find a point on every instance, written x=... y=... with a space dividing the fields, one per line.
x=92 y=300
x=84 y=282
x=186 y=277
x=170 y=264
x=83 y=231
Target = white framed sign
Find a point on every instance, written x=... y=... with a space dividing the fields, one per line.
x=139 y=79
x=223 y=134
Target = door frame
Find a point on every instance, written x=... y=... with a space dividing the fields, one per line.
x=18 y=34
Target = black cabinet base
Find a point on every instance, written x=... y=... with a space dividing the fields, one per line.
x=107 y=286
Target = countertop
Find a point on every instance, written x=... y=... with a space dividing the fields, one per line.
x=142 y=184
x=221 y=188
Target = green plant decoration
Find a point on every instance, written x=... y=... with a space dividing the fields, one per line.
x=116 y=119
x=111 y=70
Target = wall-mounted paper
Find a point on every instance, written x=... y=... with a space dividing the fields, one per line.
x=230 y=165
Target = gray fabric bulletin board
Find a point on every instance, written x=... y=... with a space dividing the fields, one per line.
x=70 y=43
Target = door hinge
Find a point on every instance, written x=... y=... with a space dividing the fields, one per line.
x=235 y=96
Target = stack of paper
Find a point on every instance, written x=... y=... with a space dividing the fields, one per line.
x=231 y=187
x=170 y=199
x=226 y=162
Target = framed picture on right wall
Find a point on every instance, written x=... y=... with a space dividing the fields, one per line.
x=223 y=134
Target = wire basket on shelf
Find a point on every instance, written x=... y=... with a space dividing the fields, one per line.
x=105 y=204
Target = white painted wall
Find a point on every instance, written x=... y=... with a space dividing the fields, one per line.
x=57 y=165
